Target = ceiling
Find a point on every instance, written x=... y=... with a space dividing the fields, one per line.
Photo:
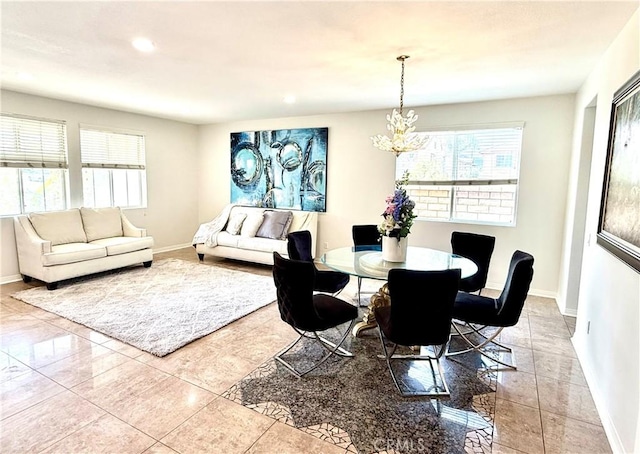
x=226 y=61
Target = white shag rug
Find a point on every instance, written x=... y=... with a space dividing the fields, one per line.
x=157 y=309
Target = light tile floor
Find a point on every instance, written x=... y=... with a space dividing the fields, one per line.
x=67 y=389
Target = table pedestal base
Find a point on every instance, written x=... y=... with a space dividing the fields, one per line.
x=379 y=299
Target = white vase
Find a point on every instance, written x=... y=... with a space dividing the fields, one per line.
x=394 y=250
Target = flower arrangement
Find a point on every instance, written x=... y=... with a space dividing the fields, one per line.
x=398 y=216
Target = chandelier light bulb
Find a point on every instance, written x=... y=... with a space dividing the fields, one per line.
x=143 y=44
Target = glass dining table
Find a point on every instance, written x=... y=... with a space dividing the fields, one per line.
x=367 y=262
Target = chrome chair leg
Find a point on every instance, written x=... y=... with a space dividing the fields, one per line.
x=480 y=348
x=336 y=347
x=388 y=356
x=332 y=348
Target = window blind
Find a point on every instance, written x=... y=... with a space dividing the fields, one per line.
x=111 y=150
x=465 y=157
x=32 y=142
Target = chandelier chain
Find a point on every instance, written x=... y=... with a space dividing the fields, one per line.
x=402 y=59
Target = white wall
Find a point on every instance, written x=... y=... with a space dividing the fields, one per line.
x=576 y=212
x=609 y=295
x=171 y=216
x=359 y=177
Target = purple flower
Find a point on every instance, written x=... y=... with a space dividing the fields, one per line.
x=398 y=215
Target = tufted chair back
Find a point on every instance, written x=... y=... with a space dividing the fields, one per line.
x=299 y=245
x=479 y=249
x=294 y=280
x=516 y=288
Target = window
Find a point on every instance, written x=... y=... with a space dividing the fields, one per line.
x=113 y=168
x=504 y=160
x=33 y=164
x=466 y=175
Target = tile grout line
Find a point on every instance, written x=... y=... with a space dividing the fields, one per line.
x=535 y=372
x=261 y=435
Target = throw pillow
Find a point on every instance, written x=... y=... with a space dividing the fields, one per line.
x=251 y=224
x=275 y=225
x=101 y=223
x=235 y=223
x=285 y=230
x=59 y=227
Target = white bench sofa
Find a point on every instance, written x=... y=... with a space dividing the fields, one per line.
x=58 y=245
x=252 y=234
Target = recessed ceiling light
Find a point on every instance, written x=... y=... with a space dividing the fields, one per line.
x=143 y=44
x=27 y=77
x=289 y=99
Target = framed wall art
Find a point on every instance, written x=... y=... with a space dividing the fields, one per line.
x=619 y=222
x=284 y=168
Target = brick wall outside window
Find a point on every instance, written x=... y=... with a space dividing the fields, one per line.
x=470 y=203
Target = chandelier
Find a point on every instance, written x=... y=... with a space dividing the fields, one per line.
x=401 y=127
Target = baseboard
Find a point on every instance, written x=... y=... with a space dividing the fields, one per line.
x=172 y=248
x=607 y=423
x=532 y=291
x=10 y=279
x=571 y=312
x=543 y=293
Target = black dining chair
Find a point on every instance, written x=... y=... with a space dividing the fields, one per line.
x=327 y=281
x=419 y=315
x=480 y=315
x=366 y=237
x=478 y=248
x=308 y=313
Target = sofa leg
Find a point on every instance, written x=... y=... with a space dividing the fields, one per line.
x=147 y=264
x=201 y=257
x=26 y=279
x=52 y=285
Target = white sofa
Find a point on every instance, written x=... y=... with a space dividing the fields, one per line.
x=58 y=245
x=252 y=234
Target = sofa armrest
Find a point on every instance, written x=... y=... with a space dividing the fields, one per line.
x=30 y=247
x=27 y=239
x=128 y=229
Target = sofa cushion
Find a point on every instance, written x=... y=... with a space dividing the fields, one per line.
x=275 y=225
x=235 y=223
x=251 y=224
x=59 y=227
x=101 y=222
x=72 y=253
x=259 y=244
x=123 y=244
x=226 y=239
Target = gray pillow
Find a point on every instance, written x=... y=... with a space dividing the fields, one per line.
x=275 y=225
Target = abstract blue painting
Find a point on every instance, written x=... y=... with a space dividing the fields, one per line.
x=285 y=168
